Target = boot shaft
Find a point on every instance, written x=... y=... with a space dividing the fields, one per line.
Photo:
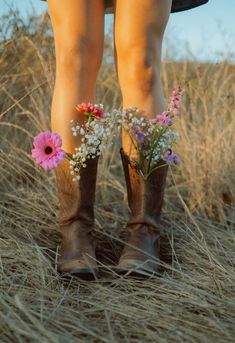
x=145 y=197
x=76 y=198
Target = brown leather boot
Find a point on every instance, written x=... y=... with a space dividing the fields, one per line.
x=76 y=219
x=145 y=199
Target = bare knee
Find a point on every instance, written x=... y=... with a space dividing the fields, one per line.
x=138 y=55
x=79 y=54
x=139 y=66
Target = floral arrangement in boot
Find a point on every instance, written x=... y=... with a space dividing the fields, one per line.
x=153 y=138
x=95 y=132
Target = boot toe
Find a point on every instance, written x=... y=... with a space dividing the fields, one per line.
x=78 y=268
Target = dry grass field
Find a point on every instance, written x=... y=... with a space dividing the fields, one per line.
x=193 y=298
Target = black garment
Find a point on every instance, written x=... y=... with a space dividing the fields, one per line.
x=182 y=5
x=177 y=5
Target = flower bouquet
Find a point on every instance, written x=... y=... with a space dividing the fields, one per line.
x=95 y=132
x=153 y=138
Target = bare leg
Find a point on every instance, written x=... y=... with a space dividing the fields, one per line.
x=78 y=27
x=139 y=28
x=78 y=31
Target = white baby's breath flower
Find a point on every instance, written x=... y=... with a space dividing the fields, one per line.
x=96 y=136
x=72 y=162
x=93 y=151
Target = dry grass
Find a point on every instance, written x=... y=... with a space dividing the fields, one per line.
x=192 y=299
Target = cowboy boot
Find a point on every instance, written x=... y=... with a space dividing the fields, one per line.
x=76 y=219
x=145 y=199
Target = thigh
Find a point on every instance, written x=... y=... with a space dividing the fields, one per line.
x=140 y=23
x=77 y=22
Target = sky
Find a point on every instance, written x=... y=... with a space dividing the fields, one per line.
x=205 y=33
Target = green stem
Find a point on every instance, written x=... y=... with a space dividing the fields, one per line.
x=154 y=146
x=158 y=167
x=136 y=146
x=69 y=156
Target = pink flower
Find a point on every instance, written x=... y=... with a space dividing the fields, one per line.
x=176 y=111
x=90 y=110
x=175 y=100
x=163 y=119
x=47 y=150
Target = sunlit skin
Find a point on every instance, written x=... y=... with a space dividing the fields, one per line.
x=78 y=27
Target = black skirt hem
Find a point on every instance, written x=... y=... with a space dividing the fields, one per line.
x=177 y=5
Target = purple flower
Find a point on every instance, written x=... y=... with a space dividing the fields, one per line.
x=164 y=119
x=171 y=158
x=139 y=135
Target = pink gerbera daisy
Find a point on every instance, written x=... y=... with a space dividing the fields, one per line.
x=90 y=110
x=47 y=150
